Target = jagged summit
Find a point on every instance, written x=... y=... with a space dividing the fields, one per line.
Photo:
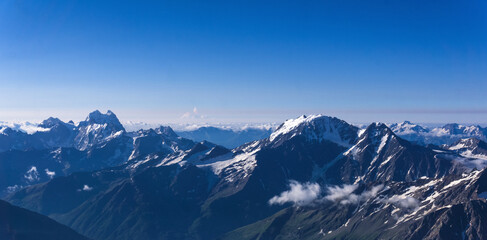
x=377 y=132
x=109 y=118
x=97 y=129
x=166 y=131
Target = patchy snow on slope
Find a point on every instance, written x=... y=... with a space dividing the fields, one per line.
x=229 y=166
x=427 y=204
x=467 y=178
x=458 y=146
x=239 y=166
x=382 y=144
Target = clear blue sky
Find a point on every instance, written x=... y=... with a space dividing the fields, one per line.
x=363 y=61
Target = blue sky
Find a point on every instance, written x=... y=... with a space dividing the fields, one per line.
x=157 y=61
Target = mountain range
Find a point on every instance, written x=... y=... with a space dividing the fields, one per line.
x=447 y=134
x=314 y=177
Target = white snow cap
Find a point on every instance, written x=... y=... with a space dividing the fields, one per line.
x=317 y=127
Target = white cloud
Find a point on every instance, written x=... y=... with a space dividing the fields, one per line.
x=193 y=115
x=26 y=127
x=13 y=188
x=87 y=188
x=344 y=194
x=299 y=194
x=32 y=175
x=337 y=193
x=50 y=174
x=405 y=202
x=309 y=193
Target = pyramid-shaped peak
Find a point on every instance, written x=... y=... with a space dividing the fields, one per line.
x=377 y=129
x=166 y=131
x=51 y=122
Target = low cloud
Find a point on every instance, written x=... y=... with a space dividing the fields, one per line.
x=32 y=175
x=50 y=174
x=404 y=202
x=85 y=188
x=192 y=115
x=309 y=193
x=13 y=188
x=345 y=194
x=299 y=194
x=338 y=194
x=27 y=127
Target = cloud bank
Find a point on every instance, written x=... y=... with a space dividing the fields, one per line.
x=192 y=115
x=345 y=194
x=405 y=202
x=309 y=193
x=32 y=175
x=299 y=194
x=50 y=174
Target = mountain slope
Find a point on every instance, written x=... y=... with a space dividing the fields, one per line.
x=210 y=181
x=445 y=208
x=379 y=155
x=20 y=224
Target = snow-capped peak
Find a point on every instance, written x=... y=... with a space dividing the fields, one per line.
x=317 y=127
x=291 y=124
x=98 y=128
x=96 y=117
